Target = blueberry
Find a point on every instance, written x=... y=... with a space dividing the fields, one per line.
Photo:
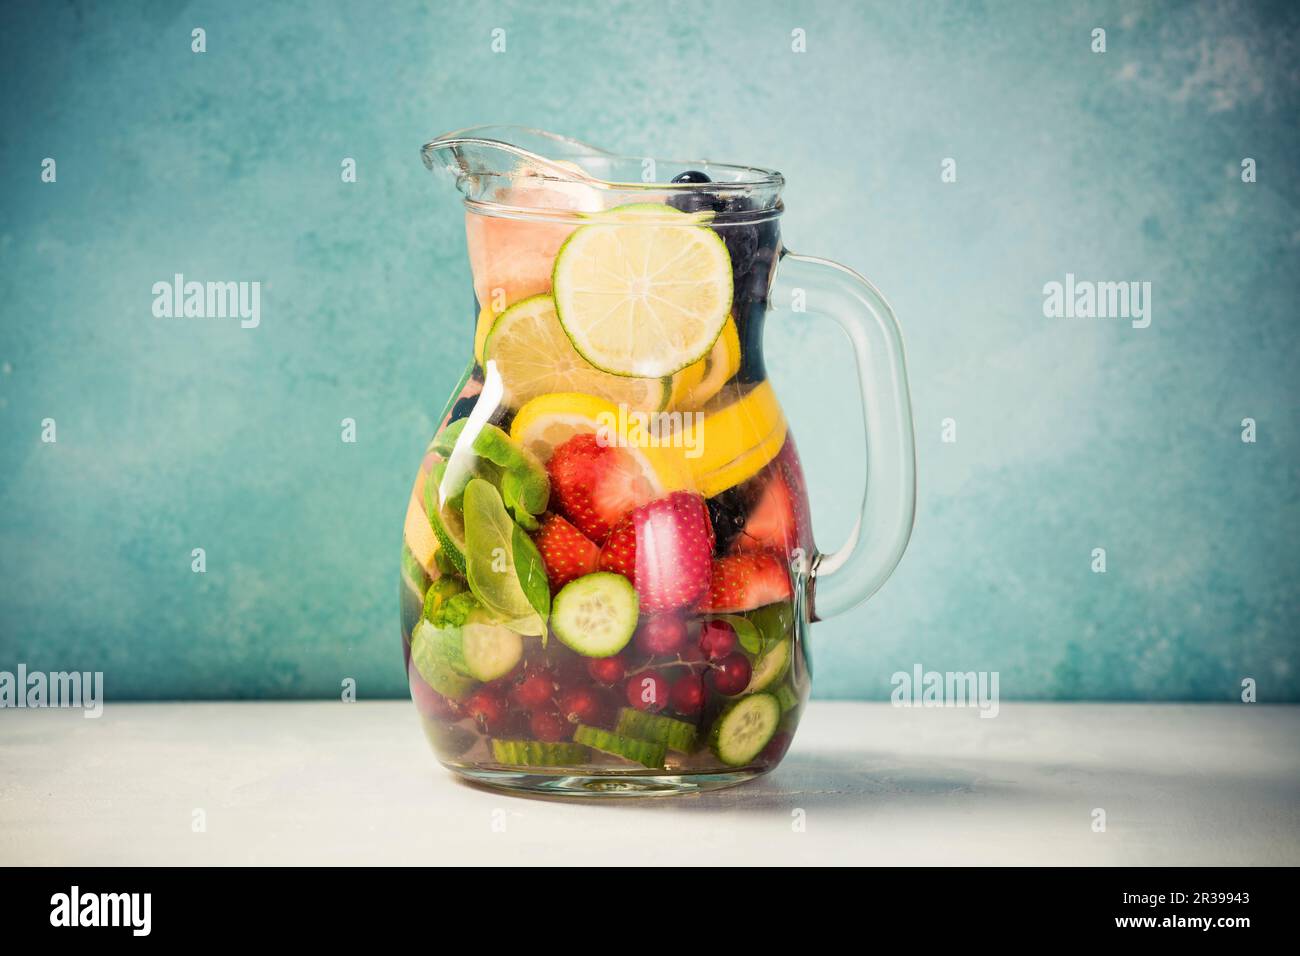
x=692 y=176
x=690 y=202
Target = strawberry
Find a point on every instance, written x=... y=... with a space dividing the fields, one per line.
x=594 y=485
x=663 y=548
x=779 y=518
x=565 y=552
x=742 y=582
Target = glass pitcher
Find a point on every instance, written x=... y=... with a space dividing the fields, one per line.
x=608 y=571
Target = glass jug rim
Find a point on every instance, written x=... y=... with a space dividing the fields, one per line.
x=487 y=160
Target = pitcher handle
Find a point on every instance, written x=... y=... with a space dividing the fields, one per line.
x=844 y=578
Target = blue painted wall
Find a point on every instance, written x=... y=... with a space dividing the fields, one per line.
x=1071 y=434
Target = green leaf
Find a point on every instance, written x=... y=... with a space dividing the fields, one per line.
x=445 y=440
x=503 y=566
x=746 y=633
x=774 y=622
x=523 y=480
x=531 y=571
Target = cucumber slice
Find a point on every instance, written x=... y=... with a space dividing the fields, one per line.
x=491 y=651
x=433 y=666
x=674 y=734
x=787 y=698
x=743 y=730
x=596 y=614
x=480 y=648
x=536 y=753
x=645 y=752
x=770 y=667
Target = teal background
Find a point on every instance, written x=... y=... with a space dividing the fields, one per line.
x=1071 y=434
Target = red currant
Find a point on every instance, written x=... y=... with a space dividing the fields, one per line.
x=687 y=695
x=717 y=639
x=776 y=748
x=487 y=709
x=606 y=670
x=548 y=725
x=581 y=706
x=662 y=634
x=731 y=674
x=647 y=691
x=533 y=691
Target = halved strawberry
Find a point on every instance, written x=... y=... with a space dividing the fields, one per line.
x=566 y=553
x=779 y=517
x=594 y=485
x=742 y=582
x=663 y=548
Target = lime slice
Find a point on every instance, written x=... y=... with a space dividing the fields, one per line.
x=502 y=564
x=645 y=292
x=443 y=518
x=533 y=356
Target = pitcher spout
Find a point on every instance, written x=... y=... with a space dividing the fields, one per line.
x=514 y=170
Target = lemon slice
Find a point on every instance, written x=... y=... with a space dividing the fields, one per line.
x=713 y=372
x=735 y=425
x=643 y=290
x=533 y=356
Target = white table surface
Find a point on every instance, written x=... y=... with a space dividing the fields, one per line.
x=356 y=783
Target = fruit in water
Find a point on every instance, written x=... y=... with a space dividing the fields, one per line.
x=742 y=582
x=447 y=523
x=771 y=666
x=580 y=705
x=549 y=421
x=606 y=670
x=648 y=753
x=691 y=176
x=534 y=691
x=771 y=522
x=687 y=694
x=643 y=294
x=662 y=634
x=548 y=726
x=532 y=753
x=565 y=551
x=664 y=549
x=530 y=352
x=717 y=639
x=707 y=377
x=647 y=691
x=776 y=748
x=596 y=615
x=487 y=709
x=511 y=259
x=742 y=731
x=595 y=485
x=731 y=674
x=674 y=734
x=779 y=518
